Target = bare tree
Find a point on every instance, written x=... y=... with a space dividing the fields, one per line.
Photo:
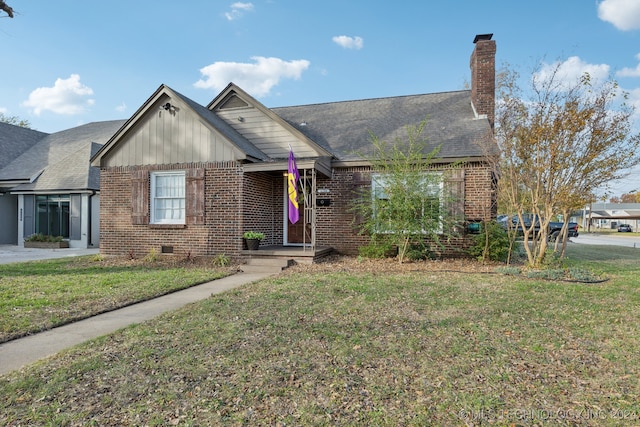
x=6 y=8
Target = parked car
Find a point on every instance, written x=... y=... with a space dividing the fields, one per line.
x=554 y=227
x=624 y=228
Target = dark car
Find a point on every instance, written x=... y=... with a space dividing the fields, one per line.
x=624 y=228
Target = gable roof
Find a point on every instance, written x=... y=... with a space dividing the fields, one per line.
x=343 y=127
x=59 y=161
x=338 y=130
x=163 y=93
x=277 y=147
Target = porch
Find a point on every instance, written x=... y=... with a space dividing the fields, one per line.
x=291 y=254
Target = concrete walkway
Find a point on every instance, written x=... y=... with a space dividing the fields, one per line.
x=14 y=253
x=21 y=352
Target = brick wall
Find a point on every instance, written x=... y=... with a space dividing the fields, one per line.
x=262 y=207
x=483 y=78
x=336 y=226
x=221 y=233
x=236 y=202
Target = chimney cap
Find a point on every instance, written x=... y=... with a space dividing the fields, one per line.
x=481 y=37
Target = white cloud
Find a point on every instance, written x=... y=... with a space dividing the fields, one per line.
x=121 y=108
x=66 y=97
x=630 y=72
x=623 y=14
x=256 y=78
x=349 y=42
x=571 y=70
x=3 y=110
x=238 y=9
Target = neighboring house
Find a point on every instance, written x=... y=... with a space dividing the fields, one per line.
x=609 y=215
x=179 y=177
x=47 y=184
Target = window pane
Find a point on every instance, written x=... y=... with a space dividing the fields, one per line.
x=169 y=197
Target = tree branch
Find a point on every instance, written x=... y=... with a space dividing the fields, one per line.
x=6 y=8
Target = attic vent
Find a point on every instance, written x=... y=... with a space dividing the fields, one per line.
x=233 y=102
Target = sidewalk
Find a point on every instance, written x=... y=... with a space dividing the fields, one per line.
x=18 y=353
x=14 y=253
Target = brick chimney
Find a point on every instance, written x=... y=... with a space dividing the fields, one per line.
x=483 y=76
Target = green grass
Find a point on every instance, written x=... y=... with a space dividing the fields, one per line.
x=35 y=296
x=345 y=348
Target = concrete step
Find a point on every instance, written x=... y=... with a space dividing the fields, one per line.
x=265 y=265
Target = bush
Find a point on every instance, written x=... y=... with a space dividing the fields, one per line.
x=43 y=238
x=377 y=248
x=221 y=260
x=419 y=252
x=493 y=248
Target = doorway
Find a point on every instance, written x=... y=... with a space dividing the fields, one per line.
x=301 y=233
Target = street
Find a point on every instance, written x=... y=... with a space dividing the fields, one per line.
x=617 y=239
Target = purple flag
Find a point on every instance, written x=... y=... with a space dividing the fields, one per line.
x=292 y=188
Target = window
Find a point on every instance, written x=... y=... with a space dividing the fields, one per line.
x=411 y=202
x=52 y=215
x=168 y=197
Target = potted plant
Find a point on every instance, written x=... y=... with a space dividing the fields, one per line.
x=253 y=239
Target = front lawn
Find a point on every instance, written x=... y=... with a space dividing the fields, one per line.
x=35 y=296
x=351 y=344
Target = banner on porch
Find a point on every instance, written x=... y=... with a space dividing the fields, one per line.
x=292 y=187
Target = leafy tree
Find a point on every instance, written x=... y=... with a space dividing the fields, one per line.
x=633 y=197
x=559 y=144
x=15 y=120
x=406 y=204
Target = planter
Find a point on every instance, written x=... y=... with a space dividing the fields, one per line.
x=47 y=245
x=253 y=244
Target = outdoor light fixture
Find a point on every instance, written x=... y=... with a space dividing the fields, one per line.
x=168 y=107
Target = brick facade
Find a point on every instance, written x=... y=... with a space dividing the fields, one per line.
x=236 y=202
x=336 y=225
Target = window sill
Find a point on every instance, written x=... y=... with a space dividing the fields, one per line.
x=168 y=226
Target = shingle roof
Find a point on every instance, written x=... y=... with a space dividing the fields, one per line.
x=343 y=127
x=64 y=159
x=15 y=140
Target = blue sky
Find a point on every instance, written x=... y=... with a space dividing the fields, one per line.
x=67 y=63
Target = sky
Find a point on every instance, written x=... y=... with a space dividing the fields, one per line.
x=66 y=63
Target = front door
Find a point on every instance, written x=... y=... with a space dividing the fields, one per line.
x=296 y=232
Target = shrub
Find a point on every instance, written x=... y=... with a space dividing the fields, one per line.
x=378 y=247
x=152 y=256
x=492 y=244
x=509 y=270
x=39 y=237
x=419 y=252
x=221 y=260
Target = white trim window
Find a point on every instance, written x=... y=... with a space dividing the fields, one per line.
x=168 y=197
x=417 y=205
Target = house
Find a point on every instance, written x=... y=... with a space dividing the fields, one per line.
x=47 y=184
x=609 y=215
x=183 y=178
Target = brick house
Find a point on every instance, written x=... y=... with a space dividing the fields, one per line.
x=182 y=178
